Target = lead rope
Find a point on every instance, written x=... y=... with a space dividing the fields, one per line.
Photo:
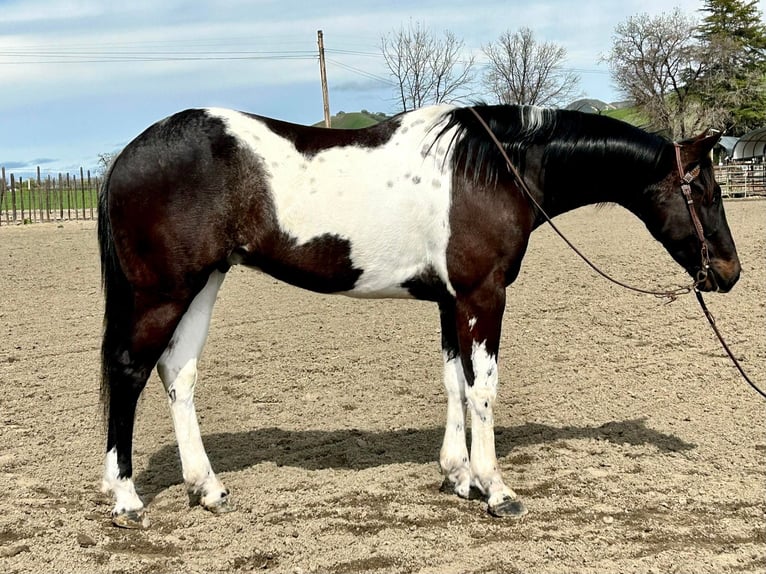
x=670 y=294
x=711 y=320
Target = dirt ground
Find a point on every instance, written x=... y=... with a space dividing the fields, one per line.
x=621 y=423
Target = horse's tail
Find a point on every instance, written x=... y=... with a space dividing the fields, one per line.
x=118 y=295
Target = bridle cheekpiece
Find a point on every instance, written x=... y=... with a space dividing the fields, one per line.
x=686 y=179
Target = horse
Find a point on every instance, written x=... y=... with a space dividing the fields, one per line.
x=420 y=206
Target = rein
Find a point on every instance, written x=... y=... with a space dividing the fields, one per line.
x=670 y=294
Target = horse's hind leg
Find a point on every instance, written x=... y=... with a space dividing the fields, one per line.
x=177 y=368
x=129 y=362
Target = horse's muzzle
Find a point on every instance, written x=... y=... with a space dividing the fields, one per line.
x=721 y=276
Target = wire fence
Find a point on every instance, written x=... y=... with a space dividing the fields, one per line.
x=742 y=179
x=68 y=196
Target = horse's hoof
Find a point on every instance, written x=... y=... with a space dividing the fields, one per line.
x=509 y=508
x=450 y=487
x=222 y=506
x=133 y=519
x=447 y=486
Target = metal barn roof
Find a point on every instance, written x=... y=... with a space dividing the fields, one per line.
x=728 y=143
x=751 y=145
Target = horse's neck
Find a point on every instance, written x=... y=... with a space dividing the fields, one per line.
x=609 y=180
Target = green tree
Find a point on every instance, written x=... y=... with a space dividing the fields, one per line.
x=653 y=60
x=732 y=39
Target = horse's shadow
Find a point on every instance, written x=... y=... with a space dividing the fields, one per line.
x=356 y=450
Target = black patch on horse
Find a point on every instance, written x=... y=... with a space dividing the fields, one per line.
x=427 y=286
x=323 y=264
x=309 y=140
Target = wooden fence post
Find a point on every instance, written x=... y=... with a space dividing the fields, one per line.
x=31 y=200
x=61 y=197
x=13 y=197
x=2 y=196
x=69 y=198
x=82 y=191
x=90 y=193
x=48 y=198
x=40 y=196
x=21 y=197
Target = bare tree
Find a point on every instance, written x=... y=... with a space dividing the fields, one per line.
x=426 y=69
x=523 y=71
x=104 y=162
x=653 y=61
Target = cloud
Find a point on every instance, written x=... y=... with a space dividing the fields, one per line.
x=28 y=164
x=15 y=164
x=360 y=86
x=26 y=12
x=28 y=168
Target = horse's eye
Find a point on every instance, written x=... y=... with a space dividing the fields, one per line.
x=716 y=197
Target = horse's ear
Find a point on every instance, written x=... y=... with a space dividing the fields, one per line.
x=706 y=143
x=701 y=146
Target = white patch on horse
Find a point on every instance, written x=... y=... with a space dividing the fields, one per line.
x=374 y=198
x=453 y=457
x=122 y=489
x=481 y=401
x=177 y=368
x=471 y=323
x=533 y=118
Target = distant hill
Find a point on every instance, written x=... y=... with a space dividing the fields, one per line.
x=624 y=111
x=354 y=120
x=590 y=106
x=630 y=115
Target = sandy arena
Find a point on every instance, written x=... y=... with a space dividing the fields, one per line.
x=620 y=422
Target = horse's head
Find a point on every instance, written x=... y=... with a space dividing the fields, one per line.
x=670 y=217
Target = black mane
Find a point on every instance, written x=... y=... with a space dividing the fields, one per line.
x=577 y=148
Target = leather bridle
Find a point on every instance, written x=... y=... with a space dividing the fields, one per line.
x=686 y=180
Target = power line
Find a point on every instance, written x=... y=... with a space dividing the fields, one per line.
x=361 y=72
x=353 y=52
x=89 y=57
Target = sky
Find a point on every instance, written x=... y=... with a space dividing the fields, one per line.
x=83 y=77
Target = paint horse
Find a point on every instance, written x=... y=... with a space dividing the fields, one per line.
x=420 y=206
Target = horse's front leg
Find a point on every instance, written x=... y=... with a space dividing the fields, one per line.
x=478 y=320
x=453 y=458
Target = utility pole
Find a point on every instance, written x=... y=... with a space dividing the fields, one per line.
x=323 y=74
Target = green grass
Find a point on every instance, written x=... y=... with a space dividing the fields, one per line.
x=630 y=115
x=353 y=120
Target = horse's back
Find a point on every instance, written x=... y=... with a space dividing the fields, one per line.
x=360 y=211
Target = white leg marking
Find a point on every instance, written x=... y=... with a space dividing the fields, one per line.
x=481 y=400
x=178 y=370
x=453 y=458
x=123 y=490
